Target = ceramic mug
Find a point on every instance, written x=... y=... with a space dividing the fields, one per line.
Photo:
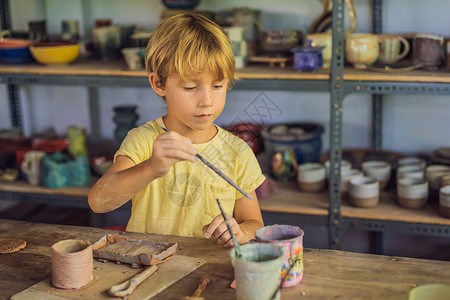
x=311 y=177
x=427 y=50
x=412 y=192
x=290 y=239
x=346 y=176
x=364 y=191
x=392 y=48
x=133 y=58
x=322 y=40
x=412 y=161
x=379 y=170
x=361 y=49
x=412 y=171
x=444 y=201
x=31 y=166
x=433 y=174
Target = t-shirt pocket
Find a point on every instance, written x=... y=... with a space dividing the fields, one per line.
x=226 y=196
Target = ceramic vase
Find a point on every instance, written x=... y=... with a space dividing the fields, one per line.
x=125 y=118
x=106 y=41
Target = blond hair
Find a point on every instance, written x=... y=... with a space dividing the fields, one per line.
x=188 y=45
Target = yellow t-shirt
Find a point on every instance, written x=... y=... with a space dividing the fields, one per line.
x=184 y=200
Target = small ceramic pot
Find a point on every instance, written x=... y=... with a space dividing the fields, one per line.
x=444 y=201
x=361 y=49
x=412 y=192
x=364 y=191
x=346 y=176
x=412 y=161
x=283 y=164
x=345 y=166
x=280 y=41
x=106 y=41
x=379 y=170
x=311 y=177
x=434 y=173
x=322 y=40
x=445 y=180
x=133 y=58
x=307 y=58
x=413 y=171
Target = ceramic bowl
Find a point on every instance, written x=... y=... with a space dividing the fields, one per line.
x=180 y=4
x=412 y=161
x=15 y=51
x=412 y=192
x=101 y=164
x=250 y=133
x=55 y=53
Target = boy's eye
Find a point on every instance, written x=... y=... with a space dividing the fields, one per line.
x=189 y=88
x=217 y=86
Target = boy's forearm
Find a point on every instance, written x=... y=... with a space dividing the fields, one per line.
x=113 y=190
x=249 y=228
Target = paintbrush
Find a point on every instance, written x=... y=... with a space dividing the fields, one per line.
x=236 y=245
x=283 y=279
x=227 y=179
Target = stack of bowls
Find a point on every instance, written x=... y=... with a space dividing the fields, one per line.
x=15 y=51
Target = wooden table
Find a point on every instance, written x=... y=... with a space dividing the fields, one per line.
x=328 y=273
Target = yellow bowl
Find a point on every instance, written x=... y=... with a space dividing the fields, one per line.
x=57 y=53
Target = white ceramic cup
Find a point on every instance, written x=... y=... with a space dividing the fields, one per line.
x=412 y=161
x=444 y=201
x=345 y=165
x=379 y=170
x=311 y=177
x=364 y=191
x=391 y=49
x=434 y=173
x=412 y=192
x=346 y=176
x=31 y=166
x=414 y=171
x=133 y=58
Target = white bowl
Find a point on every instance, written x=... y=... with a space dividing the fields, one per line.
x=412 y=192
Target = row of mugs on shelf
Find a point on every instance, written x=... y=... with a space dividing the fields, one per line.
x=414 y=181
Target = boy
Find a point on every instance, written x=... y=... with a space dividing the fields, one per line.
x=190 y=65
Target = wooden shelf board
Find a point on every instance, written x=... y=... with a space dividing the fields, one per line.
x=21 y=186
x=89 y=67
x=288 y=199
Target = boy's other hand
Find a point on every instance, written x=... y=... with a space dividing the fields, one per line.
x=218 y=230
x=168 y=149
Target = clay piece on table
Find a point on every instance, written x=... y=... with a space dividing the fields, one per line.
x=11 y=245
x=132 y=251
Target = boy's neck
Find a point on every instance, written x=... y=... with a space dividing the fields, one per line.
x=196 y=136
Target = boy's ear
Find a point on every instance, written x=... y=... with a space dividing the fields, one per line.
x=156 y=84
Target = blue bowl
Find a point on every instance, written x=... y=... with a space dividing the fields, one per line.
x=303 y=137
x=180 y=4
x=20 y=55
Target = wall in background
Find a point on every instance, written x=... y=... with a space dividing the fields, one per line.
x=412 y=124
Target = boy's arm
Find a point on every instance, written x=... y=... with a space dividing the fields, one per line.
x=124 y=179
x=248 y=215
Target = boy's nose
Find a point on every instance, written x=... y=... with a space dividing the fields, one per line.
x=205 y=99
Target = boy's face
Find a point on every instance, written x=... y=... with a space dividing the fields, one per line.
x=194 y=105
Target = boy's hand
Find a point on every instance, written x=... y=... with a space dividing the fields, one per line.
x=218 y=229
x=168 y=149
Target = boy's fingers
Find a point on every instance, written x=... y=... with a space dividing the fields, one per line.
x=208 y=232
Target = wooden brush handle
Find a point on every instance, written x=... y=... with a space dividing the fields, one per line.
x=204 y=281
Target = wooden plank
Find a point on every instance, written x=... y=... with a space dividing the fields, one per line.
x=22 y=186
x=89 y=67
x=109 y=274
x=328 y=274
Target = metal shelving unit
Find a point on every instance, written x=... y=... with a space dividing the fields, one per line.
x=335 y=83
